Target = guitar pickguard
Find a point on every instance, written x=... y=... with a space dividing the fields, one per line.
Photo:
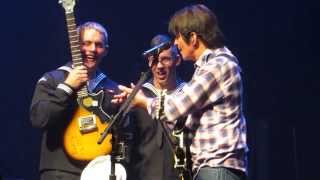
x=85 y=128
x=92 y=103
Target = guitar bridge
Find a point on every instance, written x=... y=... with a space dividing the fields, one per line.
x=87 y=123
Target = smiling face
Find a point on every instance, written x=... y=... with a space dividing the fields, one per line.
x=164 y=69
x=92 y=48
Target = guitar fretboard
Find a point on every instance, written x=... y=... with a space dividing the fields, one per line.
x=74 y=41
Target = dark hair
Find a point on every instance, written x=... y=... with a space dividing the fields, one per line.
x=158 y=39
x=199 y=19
x=161 y=38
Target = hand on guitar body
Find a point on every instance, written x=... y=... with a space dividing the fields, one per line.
x=77 y=77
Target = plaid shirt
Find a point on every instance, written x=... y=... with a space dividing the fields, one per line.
x=212 y=103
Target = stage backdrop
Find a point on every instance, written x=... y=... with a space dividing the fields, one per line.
x=274 y=40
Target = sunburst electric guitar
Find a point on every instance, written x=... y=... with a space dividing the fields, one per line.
x=89 y=120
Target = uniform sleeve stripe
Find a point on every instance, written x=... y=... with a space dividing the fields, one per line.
x=66 y=88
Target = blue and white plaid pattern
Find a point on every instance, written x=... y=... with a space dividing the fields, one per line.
x=212 y=103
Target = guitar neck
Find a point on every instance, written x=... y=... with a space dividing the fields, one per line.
x=74 y=41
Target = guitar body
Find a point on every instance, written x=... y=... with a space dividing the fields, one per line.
x=89 y=120
x=84 y=130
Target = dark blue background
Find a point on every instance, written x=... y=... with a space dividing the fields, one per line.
x=276 y=42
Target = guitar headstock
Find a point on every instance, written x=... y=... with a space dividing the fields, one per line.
x=68 y=5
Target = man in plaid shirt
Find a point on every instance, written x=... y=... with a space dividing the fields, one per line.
x=211 y=101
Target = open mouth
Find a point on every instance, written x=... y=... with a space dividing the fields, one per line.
x=90 y=58
x=161 y=74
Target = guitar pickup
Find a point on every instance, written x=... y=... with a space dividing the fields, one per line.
x=87 y=123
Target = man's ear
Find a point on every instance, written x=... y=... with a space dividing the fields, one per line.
x=193 y=38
